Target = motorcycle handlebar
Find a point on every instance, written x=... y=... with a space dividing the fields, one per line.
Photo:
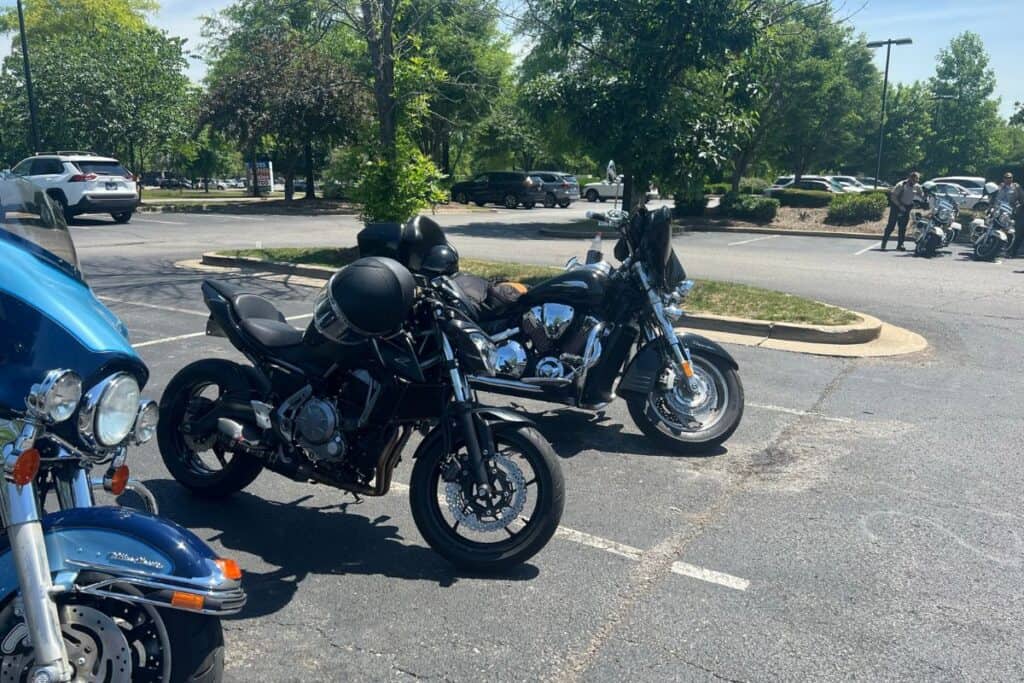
x=611 y=216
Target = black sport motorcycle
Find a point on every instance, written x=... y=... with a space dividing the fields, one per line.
x=568 y=339
x=337 y=402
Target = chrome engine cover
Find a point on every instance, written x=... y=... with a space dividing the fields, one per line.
x=546 y=323
x=512 y=359
x=550 y=368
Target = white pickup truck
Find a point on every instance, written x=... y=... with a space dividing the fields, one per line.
x=605 y=190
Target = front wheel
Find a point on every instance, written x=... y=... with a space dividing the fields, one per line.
x=986 y=248
x=564 y=203
x=692 y=422
x=121 y=216
x=549 y=200
x=592 y=196
x=112 y=641
x=498 y=530
x=510 y=201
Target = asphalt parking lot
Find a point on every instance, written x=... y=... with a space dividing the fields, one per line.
x=863 y=522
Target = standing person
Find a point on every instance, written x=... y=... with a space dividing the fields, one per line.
x=901 y=201
x=1011 y=193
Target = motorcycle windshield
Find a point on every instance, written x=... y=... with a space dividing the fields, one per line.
x=49 y=316
x=30 y=220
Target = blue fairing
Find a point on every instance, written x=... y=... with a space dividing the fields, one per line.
x=121 y=539
x=50 y=319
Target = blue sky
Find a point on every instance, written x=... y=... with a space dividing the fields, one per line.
x=930 y=23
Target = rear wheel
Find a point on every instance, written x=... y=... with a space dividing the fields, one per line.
x=199 y=460
x=122 y=216
x=687 y=423
x=502 y=528
x=592 y=196
x=62 y=203
x=564 y=203
x=510 y=201
x=479 y=203
x=462 y=198
x=529 y=205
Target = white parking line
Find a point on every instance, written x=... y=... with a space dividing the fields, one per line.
x=869 y=248
x=797 y=412
x=231 y=217
x=755 y=239
x=168 y=339
x=157 y=307
x=153 y=220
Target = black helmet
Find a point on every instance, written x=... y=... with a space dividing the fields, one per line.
x=441 y=260
x=371 y=297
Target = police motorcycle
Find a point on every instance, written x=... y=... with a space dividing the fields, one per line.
x=87 y=592
x=596 y=332
x=939 y=227
x=994 y=234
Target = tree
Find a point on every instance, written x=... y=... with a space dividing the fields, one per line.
x=628 y=77
x=508 y=135
x=965 y=118
x=1018 y=116
x=907 y=129
x=120 y=92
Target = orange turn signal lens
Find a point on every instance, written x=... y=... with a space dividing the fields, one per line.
x=119 y=480
x=26 y=467
x=687 y=369
x=229 y=568
x=187 y=601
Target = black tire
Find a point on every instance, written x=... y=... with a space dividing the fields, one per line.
x=529 y=205
x=195 y=641
x=122 y=216
x=479 y=203
x=986 y=249
x=981 y=206
x=592 y=195
x=564 y=203
x=63 y=204
x=182 y=461
x=549 y=200
x=461 y=198
x=508 y=552
x=510 y=201
x=684 y=443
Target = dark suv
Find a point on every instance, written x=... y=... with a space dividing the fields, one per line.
x=508 y=188
x=559 y=188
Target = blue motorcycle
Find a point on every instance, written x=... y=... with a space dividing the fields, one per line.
x=87 y=593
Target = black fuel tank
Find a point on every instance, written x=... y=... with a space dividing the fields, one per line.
x=578 y=287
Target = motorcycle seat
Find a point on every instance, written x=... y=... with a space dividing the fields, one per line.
x=489 y=301
x=259 y=317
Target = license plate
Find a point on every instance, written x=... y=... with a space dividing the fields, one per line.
x=113 y=186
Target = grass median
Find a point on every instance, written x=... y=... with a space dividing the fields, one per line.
x=709 y=296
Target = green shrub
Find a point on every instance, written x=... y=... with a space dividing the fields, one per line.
x=717 y=188
x=753 y=185
x=747 y=207
x=848 y=209
x=804 y=199
x=386 y=191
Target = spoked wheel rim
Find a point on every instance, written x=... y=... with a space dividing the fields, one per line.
x=107 y=641
x=677 y=412
x=496 y=521
x=511 y=202
x=202 y=454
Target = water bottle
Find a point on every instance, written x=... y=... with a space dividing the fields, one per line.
x=594 y=254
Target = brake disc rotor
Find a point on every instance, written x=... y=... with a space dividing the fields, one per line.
x=501 y=508
x=697 y=411
x=96 y=646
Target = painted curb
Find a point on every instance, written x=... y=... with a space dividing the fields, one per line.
x=867 y=330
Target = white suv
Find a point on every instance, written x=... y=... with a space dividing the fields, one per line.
x=81 y=182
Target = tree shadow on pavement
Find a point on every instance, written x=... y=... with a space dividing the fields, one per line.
x=298 y=540
x=572 y=432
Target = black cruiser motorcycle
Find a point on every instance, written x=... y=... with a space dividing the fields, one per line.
x=568 y=339
x=336 y=403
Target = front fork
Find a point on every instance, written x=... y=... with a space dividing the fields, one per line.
x=20 y=510
x=478 y=452
x=680 y=352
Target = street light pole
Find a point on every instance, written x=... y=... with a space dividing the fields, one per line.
x=32 y=113
x=885 y=91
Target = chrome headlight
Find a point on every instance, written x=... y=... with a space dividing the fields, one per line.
x=145 y=423
x=487 y=350
x=56 y=397
x=109 y=411
x=1003 y=219
x=945 y=214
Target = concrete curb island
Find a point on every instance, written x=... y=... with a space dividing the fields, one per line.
x=869 y=337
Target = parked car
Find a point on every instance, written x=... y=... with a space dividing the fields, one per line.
x=82 y=182
x=559 y=188
x=973 y=184
x=964 y=197
x=871 y=183
x=176 y=184
x=508 y=188
x=849 y=183
x=605 y=190
x=816 y=183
